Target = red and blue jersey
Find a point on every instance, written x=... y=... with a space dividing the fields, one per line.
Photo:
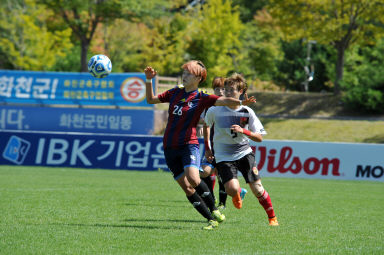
x=184 y=113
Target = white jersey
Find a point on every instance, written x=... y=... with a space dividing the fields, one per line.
x=229 y=145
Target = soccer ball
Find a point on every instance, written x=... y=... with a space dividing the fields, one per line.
x=100 y=66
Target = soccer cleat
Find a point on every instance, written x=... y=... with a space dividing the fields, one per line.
x=211 y=225
x=218 y=216
x=243 y=193
x=273 y=221
x=221 y=207
x=237 y=202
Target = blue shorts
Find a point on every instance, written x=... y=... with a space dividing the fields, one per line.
x=182 y=157
x=205 y=162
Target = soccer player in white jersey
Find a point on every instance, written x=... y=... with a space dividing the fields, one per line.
x=234 y=126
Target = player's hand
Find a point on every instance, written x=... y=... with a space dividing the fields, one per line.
x=248 y=101
x=237 y=129
x=209 y=155
x=150 y=72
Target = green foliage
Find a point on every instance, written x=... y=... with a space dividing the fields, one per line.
x=337 y=23
x=260 y=50
x=26 y=40
x=248 y=8
x=291 y=73
x=363 y=79
x=70 y=62
x=160 y=44
x=167 y=45
x=215 y=37
x=83 y=17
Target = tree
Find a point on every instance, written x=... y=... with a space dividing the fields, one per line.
x=261 y=48
x=157 y=40
x=25 y=39
x=214 y=36
x=248 y=8
x=364 y=80
x=341 y=23
x=83 y=16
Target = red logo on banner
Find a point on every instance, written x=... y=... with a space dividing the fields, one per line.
x=133 y=90
x=286 y=162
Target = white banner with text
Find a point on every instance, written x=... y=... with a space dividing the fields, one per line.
x=320 y=160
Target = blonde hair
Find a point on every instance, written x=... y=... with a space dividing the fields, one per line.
x=196 y=67
x=238 y=80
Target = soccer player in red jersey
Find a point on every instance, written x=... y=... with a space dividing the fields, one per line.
x=180 y=142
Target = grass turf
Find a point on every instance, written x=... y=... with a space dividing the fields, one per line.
x=77 y=211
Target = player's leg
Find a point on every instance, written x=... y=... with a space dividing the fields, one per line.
x=175 y=164
x=203 y=191
x=213 y=181
x=191 y=162
x=222 y=195
x=206 y=171
x=265 y=201
x=228 y=173
x=252 y=177
x=194 y=198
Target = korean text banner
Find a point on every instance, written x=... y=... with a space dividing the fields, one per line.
x=124 y=152
x=118 y=121
x=119 y=89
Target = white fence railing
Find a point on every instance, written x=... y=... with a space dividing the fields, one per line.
x=163 y=83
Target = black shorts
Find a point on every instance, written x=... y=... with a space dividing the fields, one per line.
x=246 y=165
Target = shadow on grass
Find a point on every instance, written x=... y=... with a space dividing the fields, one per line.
x=164 y=220
x=375 y=139
x=161 y=203
x=125 y=225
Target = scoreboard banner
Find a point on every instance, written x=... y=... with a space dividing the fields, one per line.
x=119 y=89
x=295 y=159
x=125 y=121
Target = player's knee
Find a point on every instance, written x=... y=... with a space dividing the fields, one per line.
x=193 y=181
x=259 y=189
x=189 y=191
x=231 y=188
x=206 y=171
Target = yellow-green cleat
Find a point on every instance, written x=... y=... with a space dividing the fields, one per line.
x=218 y=216
x=212 y=224
x=221 y=207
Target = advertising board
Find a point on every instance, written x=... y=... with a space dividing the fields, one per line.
x=295 y=159
x=47 y=88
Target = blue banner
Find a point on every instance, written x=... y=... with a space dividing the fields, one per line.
x=116 y=121
x=125 y=152
x=118 y=89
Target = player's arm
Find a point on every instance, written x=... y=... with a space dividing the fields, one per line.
x=257 y=137
x=229 y=101
x=150 y=73
x=207 y=145
x=208 y=122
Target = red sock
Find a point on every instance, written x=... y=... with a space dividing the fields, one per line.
x=213 y=179
x=266 y=203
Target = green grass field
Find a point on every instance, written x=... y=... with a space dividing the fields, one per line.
x=78 y=211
